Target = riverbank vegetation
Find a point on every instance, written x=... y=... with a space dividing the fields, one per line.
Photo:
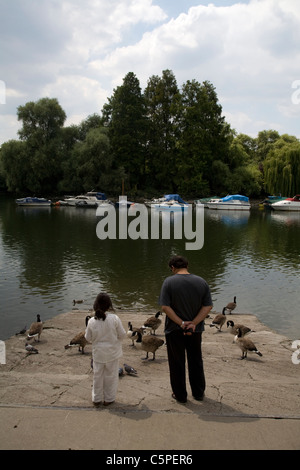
x=161 y=140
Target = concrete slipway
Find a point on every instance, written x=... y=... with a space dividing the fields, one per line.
x=250 y=404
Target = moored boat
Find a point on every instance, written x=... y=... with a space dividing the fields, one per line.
x=90 y=199
x=288 y=204
x=34 y=201
x=230 y=202
x=170 y=202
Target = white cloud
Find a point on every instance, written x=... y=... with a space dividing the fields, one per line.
x=79 y=51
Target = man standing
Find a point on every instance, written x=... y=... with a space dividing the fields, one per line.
x=186 y=300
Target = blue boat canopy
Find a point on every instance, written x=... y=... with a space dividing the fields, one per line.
x=233 y=197
x=174 y=197
x=101 y=196
x=98 y=195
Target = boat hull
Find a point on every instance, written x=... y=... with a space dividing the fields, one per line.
x=288 y=206
x=170 y=207
x=228 y=206
x=33 y=202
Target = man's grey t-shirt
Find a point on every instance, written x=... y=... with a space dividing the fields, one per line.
x=185 y=294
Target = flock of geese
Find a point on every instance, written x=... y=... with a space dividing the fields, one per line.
x=238 y=330
x=149 y=342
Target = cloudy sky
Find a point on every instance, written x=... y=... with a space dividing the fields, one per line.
x=79 y=51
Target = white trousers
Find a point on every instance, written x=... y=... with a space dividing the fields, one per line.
x=106 y=380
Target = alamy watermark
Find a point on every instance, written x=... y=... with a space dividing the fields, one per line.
x=2 y=353
x=134 y=223
x=2 y=92
x=296 y=94
x=296 y=354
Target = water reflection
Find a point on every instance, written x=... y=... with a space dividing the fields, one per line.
x=51 y=256
x=227 y=217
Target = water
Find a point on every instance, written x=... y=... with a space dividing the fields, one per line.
x=50 y=256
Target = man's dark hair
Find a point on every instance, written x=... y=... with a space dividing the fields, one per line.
x=178 y=262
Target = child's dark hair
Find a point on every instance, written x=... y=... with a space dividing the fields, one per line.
x=101 y=305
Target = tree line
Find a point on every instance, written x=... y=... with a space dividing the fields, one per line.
x=164 y=139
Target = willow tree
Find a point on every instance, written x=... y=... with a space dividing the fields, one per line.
x=282 y=169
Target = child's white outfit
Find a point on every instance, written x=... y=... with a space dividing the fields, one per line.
x=106 y=338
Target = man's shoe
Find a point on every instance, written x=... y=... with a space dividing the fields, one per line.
x=180 y=401
x=200 y=398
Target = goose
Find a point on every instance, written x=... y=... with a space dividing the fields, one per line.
x=31 y=349
x=231 y=305
x=152 y=323
x=148 y=343
x=79 y=339
x=78 y=302
x=131 y=330
x=129 y=370
x=243 y=329
x=219 y=320
x=245 y=344
x=35 y=329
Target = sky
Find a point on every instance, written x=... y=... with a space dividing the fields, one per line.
x=80 y=51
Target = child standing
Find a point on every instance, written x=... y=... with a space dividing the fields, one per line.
x=105 y=332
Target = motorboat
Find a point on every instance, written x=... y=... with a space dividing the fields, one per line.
x=171 y=206
x=170 y=202
x=230 y=202
x=289 y=204
x=34 y=201
x=90 y=199
x=268 y=201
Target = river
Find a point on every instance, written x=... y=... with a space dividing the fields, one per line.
x=52 y=256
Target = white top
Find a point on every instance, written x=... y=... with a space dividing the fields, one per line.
x=106 y=337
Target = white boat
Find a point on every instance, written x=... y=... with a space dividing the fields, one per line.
x=171 y=203
x=90 y=199
x=231 y=202
x=33 y=201
x=289 y=204
x=171 y=206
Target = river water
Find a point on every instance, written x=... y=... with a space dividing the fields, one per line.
x=51 y=256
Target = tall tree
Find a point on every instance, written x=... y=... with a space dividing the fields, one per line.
x=124 y=114
x=163 y=106
x=41 y=131
x=205 y=137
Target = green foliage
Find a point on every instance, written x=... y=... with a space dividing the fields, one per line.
x=164 y=139
x=282 y=167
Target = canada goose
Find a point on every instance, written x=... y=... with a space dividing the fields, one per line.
x=148 y=343
x=129 y=370
x=231 y=306
x=245 y=344
x=233 y=328
x=31 y=349
x=78 y=302
x=35 y=329
x=131 y=330
x=79 y=339
x=219 y=320
x=153 y=323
